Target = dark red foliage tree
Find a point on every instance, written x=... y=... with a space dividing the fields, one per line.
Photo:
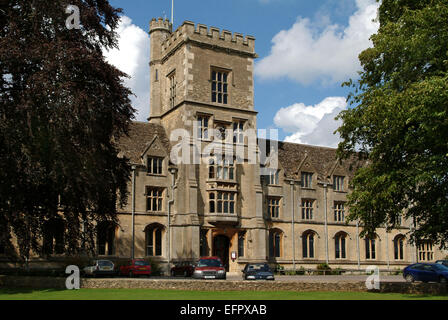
x=62 y=107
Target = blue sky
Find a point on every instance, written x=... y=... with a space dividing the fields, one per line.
x=306 y=50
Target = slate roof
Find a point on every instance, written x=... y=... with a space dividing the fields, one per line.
x=322 y=159
x=290 y=155
x=140 y=135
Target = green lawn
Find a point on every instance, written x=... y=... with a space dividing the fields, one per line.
x=148 y=294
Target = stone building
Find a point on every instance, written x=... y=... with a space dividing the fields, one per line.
x=292 y=214
x=202 y=82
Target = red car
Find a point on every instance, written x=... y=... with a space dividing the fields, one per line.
x=209 y=268
x=136 y=267
x=183 y=268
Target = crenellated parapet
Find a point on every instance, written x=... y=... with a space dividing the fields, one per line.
x=160 y=24
x=202 y=35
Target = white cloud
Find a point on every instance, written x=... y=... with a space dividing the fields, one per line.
x=312 y=124
x=310 y=51
x=132 y=58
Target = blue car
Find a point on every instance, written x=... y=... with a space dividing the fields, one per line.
x=257 y=271
x=426 y=272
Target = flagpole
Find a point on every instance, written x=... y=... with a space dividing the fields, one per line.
x=172 y=13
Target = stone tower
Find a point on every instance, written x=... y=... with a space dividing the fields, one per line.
x=202 y=82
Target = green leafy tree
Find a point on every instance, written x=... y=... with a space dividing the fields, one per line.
x=62 y=107
x=399 y=121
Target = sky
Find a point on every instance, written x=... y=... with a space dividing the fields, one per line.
x=306 y=50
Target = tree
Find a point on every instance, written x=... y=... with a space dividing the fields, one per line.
x=399 y=121
x=62 y=108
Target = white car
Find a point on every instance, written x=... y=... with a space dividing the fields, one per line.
x=100 y=267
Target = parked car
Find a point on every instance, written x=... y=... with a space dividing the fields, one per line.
x=426 y=272
x=209 y=268
x=100 y=267
x=136 y=267
x=444 y=262
x=258 y=271
x=183 y=268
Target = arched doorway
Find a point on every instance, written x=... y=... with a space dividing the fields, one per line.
x=221 y=245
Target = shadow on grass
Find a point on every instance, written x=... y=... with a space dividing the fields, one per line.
x=11 y=291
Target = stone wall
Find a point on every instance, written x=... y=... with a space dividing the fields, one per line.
x=212 y=285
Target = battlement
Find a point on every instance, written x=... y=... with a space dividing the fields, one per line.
x=160 y=24
x=210 y=36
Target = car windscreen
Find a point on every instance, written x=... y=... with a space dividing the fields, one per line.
x=209 y=263
x=141 y=263
x=105 y=263
x=259 y=267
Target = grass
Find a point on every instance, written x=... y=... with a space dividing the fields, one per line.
x=149 y=294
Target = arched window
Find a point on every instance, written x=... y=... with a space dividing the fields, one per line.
x=106 y=238
x=275 y=242
x=340 y=241
x=154 y=239
x=53 y=237
x=370 y=246
x=308 y=249
x=399 y=247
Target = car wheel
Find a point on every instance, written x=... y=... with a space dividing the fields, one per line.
x=443 y=280
x=410 y=278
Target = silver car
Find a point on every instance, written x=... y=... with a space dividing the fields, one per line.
x=100 y=267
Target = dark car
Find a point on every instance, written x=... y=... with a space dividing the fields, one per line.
x=426 y=272
x=209 y=268
x=136 y=267
x=444 y=262
x=183 y=268
x=258 y=271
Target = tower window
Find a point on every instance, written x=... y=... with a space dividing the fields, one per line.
x=172 y=79
x=238 y=135
x=219 y=87
x=203 y=122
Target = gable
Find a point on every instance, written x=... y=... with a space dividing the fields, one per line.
x=154 y=148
